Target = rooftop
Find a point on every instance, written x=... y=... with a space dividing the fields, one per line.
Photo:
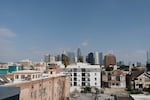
x=5 y=92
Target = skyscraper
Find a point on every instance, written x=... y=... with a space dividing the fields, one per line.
x=49 y=58
x=148 y=60
x=109 y=59
x=148 y=57
x=71 y=56
x=90 y=58
x=101 y=58
x=96 y=58
x=79 y=56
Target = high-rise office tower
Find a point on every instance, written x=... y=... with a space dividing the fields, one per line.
x=96 y=58
x=49 y=58
x=90 y=58
x=148 y=57
x=71 y=56
x=79 y=54
x=148 y=60
x=109 y=59
x=101 y=58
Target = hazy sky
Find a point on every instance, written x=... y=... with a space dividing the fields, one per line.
x=32 y=28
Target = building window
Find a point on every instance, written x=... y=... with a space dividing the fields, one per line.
x=71 y=84
x=22 y=76
x=75 y=74
x=75 y=83
x=75 y=69
x=29 y=76
x=83 y=69
x=95 y=79
x=75 y=79
x=83 y=83
x=83 y=79
x=17 y=76
x=117 y=84
x=33 y=76
x=118 y=78
x=38 y=76
x=83 y=74
x=95 y=83
x=95 y=74
x=113 y=83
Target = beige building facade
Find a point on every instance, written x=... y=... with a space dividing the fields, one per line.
x=50 y=88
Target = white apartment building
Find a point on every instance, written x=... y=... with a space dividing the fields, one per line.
x=83 y=74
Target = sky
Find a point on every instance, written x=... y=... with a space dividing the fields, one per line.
x=32 y=28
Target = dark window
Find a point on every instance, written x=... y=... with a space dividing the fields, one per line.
x=118 y=78
x=83 y=83
x=22 y=76
x=75 y=69
x=140 y=85
x=75 y=74
x=75 y=83
x=83 y=74
x=83 y=79
x=75 y=79
x=83 y=69
x=17 y=76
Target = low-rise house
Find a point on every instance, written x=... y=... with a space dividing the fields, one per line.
x=114 y=79
x=142 y=81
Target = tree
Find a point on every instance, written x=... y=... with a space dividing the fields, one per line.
x=109 y=68
x=65 y=60
x=80 y=59
x=31 y=67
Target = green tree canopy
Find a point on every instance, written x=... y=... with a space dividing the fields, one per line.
x=65 y=60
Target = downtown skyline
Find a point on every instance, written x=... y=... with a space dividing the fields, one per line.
x=30 y=29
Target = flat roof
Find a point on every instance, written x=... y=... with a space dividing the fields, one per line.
x=6 y=92
x=140 y=96
x=26 y=71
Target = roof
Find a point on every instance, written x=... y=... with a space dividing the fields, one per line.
x=146 y=75
x=3 y=80
x=26 y=72
x=117 y=72
x=136 y=73
x=5 y=92
x=83 y=65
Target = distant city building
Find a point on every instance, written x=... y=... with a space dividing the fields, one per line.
x=138 y=64
x=96 y=58
x=79 y=55
x=90 y=58
x=109 y=59
x=71 y=56
x=25 y=63
x=120 y=63
x=58 y=58
x=83 y=74
x=101 y=62
x=148 y=57
x=49 y=58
